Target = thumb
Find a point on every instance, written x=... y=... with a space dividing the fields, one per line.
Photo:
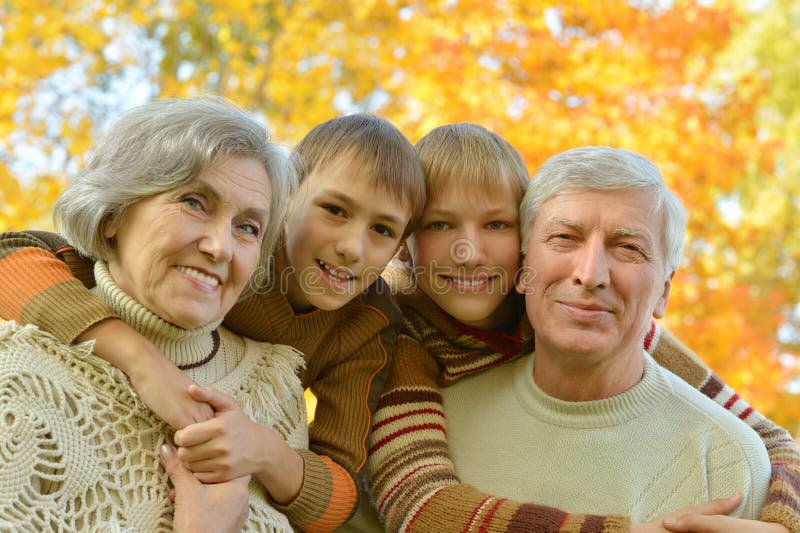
x=216 y=399
x=177 y=472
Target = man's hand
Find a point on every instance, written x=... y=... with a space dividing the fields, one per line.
x=721 y=506
x=231 y=445
x=162 y=386
x=199 y=508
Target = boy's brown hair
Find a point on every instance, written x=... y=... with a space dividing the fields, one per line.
x=466 y=155
x=374 y=143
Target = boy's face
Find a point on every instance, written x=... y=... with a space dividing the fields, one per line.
x=466 y=252
x=340 y=235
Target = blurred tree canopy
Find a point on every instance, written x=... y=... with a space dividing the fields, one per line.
x=707 y=90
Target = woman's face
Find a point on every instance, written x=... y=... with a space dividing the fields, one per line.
x=187 y=254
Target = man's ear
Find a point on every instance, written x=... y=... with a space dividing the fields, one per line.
x=661 y=304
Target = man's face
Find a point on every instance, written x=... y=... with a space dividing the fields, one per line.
x=595 y=273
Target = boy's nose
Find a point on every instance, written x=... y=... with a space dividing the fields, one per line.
x=467 y=250
x=349 y=247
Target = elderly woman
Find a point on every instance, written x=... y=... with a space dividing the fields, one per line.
x=180 y=204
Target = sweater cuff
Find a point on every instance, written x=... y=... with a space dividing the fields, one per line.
x=75 y=310
x=327 y=497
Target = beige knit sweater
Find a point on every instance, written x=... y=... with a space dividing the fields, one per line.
x=79 y=450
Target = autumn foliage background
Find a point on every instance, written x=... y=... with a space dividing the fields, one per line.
x=708 y=90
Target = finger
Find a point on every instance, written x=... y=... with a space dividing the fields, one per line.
x=216 y=399
x=206 y=466
x=176 y=471
x=211 y=477
x=198 y=433
x=696 y=523
x=720 y=506
x=199 y=458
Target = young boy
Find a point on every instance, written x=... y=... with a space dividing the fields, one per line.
x=361 y=186
x=462 y=316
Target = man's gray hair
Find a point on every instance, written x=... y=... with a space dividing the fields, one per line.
x=158 y=147
x=607 y=169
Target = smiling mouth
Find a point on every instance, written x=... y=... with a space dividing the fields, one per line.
x=334 y=272
x=199 y=276
x=468 y=284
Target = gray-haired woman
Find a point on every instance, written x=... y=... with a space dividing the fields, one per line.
x=180 y=204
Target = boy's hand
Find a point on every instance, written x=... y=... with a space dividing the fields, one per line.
x=225 y=447
x=232 y=445
x=720 y=506
x=698 y=523
x=162 y=386
x=219 y=507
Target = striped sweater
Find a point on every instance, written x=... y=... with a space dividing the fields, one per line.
x=414 y=483
x=43 y=282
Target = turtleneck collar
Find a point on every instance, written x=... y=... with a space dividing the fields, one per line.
x=184 y=347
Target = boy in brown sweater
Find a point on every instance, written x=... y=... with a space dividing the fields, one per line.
x=361 y=188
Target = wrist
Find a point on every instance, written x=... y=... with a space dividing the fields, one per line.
x=283 y=472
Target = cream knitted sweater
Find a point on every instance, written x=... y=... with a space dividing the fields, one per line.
x=79 y=450
x=655 y=448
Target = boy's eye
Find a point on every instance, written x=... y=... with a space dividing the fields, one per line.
x=334 y=210
x=497 y=225
x=438 y=226
x=383 y=230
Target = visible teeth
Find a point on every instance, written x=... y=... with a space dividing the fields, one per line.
x=336 y=273
x=205 y=278
x=470 y=282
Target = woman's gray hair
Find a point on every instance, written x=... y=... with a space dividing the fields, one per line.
x=158 y=147
x=604 y=168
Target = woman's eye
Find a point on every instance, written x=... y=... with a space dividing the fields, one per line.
x=192 y=203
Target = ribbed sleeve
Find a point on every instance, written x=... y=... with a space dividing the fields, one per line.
x=37 y=286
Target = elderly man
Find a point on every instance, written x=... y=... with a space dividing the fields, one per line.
x=589 y=422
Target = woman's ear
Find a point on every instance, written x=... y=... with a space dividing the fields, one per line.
x=109 y=228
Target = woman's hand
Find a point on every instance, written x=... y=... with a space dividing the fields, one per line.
x=220 y=507
x=158 y=382
x=720 y=506
x=231 y=445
